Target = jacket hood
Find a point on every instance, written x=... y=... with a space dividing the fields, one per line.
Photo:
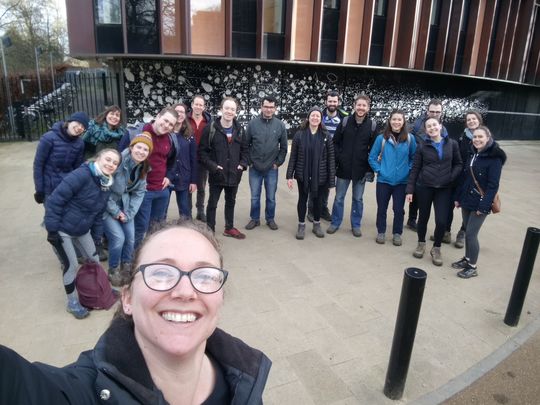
x=58 y=128
x=492 y=151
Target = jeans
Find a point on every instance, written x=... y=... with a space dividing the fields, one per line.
x=473 y=223
x=153 y=209
x=384 y=191
x=202 y=178
x=182 y=201
x=357 y=208
x=230 y=201
x=256 y=179
x=121 y=237
x=440 y=198
x=316 y=203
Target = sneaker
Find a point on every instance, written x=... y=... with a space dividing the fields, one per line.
x=468 y=272
x=310 y=216
x=301 y=231
x=396 y=239
x=436 y=257
x=101 y=253
x=326 y=215
x=411 y=224
x=234 y=233
x=272 y=225
x=461 y=263
x=420 y=250
x=252 y=224
x=76 y=309
x=201 y=217
x=331 y=229
x=317 y=230
x=460 y=240
x=357 y=232
x=381 y=238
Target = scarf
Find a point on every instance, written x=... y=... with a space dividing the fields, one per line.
x=102 y=133
x=104 y=180
x=312 y=152
x=468 y=133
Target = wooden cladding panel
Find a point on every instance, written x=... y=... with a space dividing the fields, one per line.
x=80 y=23
x=423 y=35
x=521 y=41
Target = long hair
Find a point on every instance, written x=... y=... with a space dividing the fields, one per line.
x=101 y=118
x=185 y=128
x=403 y=134
x=305 y=123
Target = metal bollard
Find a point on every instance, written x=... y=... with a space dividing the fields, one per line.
x=523 y=276
x=412 y=292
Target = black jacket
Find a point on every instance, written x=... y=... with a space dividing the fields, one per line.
x=430 y=171
x=352 y=144
x=297 y=160
x=115 y=372
x=219 y=152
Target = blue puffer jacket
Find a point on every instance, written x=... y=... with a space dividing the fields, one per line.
x=396 y=160
x=126 y=196
x=184 y=171
x=76 y=203
x=57 y=155
x=487 y=166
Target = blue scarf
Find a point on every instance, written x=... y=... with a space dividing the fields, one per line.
x=104 y=180
x=102 y=133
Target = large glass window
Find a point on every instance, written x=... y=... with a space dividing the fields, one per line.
x=208 y=27
x=108 y=18
x=244 y=28
x=274 y=29
x=142 y=26
x=377 y=35
x=434 y=27
x=170 y=26
x=462 y=36
x=330 y=30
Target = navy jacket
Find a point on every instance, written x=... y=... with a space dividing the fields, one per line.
x=57 y=155
x=76 y=204
x=106 y=375
x=487 y=166
x=184 y=171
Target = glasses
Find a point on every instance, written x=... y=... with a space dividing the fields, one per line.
x=164 y=277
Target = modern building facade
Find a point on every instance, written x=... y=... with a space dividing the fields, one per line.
x=471 y=53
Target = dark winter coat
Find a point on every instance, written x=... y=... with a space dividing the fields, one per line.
x=76 y=204
x=184 y=170
x=418 y=129
x=487 y=167
x=267 y=143
x=297 y=159
x=57 y=155
x=352 y=144
x=430 y=171
x=106 y=375
x=219 y=152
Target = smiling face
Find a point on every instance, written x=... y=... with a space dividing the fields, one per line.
x=361 y=108
x=164 y=123
x=268 y=109
x=75 y=128
x=108 y=161
x=332 y=103
x=181 y=111
x=176 y=322
x=314 y=119
x=480 y=139
x=139 y=152
x=397 y=120
x=433 y=129
x=197 y=106
x=113 y=118
x=472 y=121
x=228 y=110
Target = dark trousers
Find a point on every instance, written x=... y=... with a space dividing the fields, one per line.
x=316 y=202
x=413 y=208
x=230 y=201
x=202 y=178
x=440 y=199
x=324 y=204
x=384 y=192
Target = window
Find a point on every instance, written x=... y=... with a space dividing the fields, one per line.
x=142 y=26
x=381 y=7
x=274 y=29
x=378 y=33
x=244 y=28
x=462 y=36
x=208 y=27
x=434 y=27
x=170 y=26
x=108 y=18
x=330 y=30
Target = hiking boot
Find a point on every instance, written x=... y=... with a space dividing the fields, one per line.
x=411 y=224
x=252 y=224
x=381 y=238
x=76 y=309
x=317 y=230
x=436 y=257
x=234 y=233
x=396 y=239
x=310 y=216
x=460 y=240
x=201 y=216
x=468 y=272
x=420 y=250
x=447 y=238
x=101 y=253
x=461 y=263
x=125 y=272
x=301 y=231
x=357 y=232
x=331 y=229
x=272 y=225
x=115 y=276
x=326 y=215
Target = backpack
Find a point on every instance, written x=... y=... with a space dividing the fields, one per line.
x=93 y=287
x=379 y=158
x=345 y=119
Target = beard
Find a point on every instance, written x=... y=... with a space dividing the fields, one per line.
x=331 y=108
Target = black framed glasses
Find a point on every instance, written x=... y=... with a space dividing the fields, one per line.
x=164 y=277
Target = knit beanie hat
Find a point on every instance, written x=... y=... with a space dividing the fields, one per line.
x=145 y=138
x=80 y=117
x=314 y=108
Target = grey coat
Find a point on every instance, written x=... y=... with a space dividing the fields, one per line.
x=267 y=143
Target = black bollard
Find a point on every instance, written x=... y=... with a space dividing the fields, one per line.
x=412 y=291
x=523 y=276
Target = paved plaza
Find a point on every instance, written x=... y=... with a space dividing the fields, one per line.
x=322 y=309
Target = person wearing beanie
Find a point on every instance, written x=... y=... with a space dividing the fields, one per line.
x=312 y=164
x=81 y=117
x=75 y=205
x=127 y=194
